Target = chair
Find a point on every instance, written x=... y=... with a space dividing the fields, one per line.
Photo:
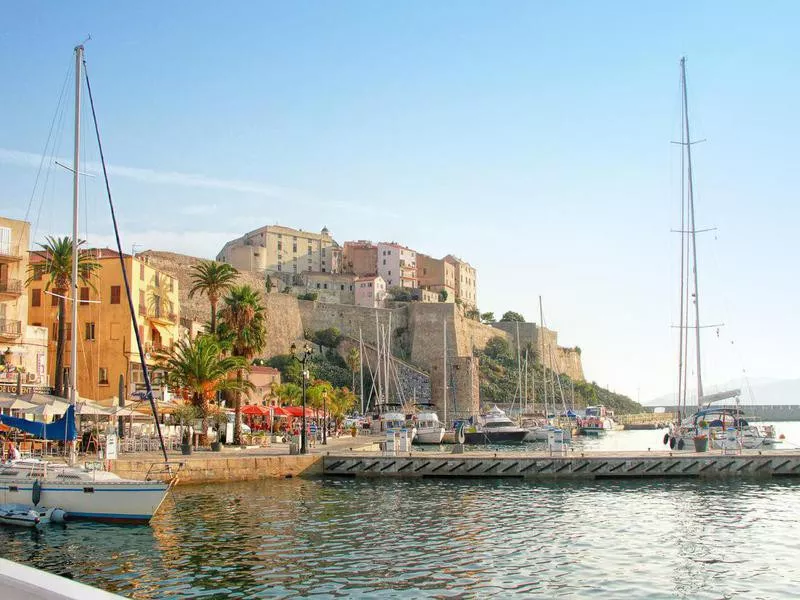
x=37 y=448
x=25 y=449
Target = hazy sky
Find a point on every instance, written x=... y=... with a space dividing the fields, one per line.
x=530 y=138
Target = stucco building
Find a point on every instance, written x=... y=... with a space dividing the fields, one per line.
x=436 y=275
x=370 y=291
x=465 y=277
x=334 y=288
x=284 y=251
x=107 y=344
x=360 y=258
x=23 y=347
x=397 y=265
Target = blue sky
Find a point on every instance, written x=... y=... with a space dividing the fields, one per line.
x=530 y=138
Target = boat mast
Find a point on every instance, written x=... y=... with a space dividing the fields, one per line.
x=692 y=229
x=73 y=358
x=444 y=369
x=541 y=346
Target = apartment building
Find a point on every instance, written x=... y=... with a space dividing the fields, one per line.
x=23 y=348
x=397 y=265
x=465 y=277
x=333 y=288
x=107 y=345
x=360 y=258
x=370 y=291
x=284 y=251
x=436 y=275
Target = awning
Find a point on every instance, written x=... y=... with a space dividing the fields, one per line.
x=279 y=411
x=165 y=331
x=297 y=411
x=255 y=410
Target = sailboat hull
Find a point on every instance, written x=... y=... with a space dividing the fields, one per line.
x=495 y=437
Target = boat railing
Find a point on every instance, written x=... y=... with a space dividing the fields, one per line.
x=162 y=471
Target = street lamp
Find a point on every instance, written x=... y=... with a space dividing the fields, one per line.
x=325 y=417
x=305 y=353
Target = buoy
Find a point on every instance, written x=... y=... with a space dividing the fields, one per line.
x=672 y=443
x=36 y=492
x=680 y=444
x=781 y=437
x=666 y=439
x=59 y=515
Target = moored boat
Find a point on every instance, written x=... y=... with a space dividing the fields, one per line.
x=25 y=515
x=494 y=427
x=429 y=429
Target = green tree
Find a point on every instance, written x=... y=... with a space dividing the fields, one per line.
x=401 y=294
x=443 y=296
x=488 y=317
x=353 y=362
x=196 y=370
x=55 y=262
x=212 y=279
x=329 y=337
x=243 y=322
x=512 y=316
x=498 y=349
x=474 y=314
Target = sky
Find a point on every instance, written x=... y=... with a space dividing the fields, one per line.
x=531 y=138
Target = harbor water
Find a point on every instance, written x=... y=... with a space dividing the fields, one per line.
x=441 y=538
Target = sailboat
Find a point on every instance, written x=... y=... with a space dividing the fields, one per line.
x=717 y=426
x=85 y=492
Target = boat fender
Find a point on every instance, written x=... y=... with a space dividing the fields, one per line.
x=672 y=443
x=680 y=444
x=460 y=434
x=36 y=492
x=59 y=515
x=666 y=439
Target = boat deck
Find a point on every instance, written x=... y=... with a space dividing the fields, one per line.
x=571 y=465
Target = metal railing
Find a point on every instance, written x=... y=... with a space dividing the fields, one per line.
x=10 y=327
x=10 y=286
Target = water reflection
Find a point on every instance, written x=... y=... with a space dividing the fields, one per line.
x=441 y=538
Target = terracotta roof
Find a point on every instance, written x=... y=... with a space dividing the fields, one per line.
x=37 y=256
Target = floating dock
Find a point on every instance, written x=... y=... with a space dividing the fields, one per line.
x=571 y=465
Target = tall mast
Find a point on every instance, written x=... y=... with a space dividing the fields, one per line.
x=73 y=363
x=444 y=369
x=692 y=229
x=541 y=345
x=361 y=367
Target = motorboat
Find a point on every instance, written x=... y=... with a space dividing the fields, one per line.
x=595 y=421
x=26 y=515
x=430 y=430
x=82 y=492
x=494 y=427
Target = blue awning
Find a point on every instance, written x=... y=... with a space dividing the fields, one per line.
x=61 y=429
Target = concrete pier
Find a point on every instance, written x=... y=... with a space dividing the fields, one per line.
x=542 y=465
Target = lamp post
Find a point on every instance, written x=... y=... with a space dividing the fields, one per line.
x=305 y=353
x=325 y=417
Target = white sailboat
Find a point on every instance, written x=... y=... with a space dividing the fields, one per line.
x=717 y=426
x=83 y=492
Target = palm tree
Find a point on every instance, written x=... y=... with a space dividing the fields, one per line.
x=243 y=324
x=354 y=362
x=56 y=263
x=212 y=279
x=198 y=369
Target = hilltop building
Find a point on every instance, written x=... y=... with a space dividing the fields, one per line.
x=360 y=258
x=107 y=344
x=397 y=265
x=466 y=285
x=23 y=347
x=370 y=291
x=283 y=251
x=437 y=275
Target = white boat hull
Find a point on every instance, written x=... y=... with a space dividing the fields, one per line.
x=429 y=436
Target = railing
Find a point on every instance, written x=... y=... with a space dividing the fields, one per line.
x=7 y=253
x=10 y=286
x=162 y=316
x=10 y=327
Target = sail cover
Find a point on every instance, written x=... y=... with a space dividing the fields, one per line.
x=61 y=429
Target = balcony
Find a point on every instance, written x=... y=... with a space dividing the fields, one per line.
x=10 y=329
x=162 y=317
x=10 y=288
x=9 y=254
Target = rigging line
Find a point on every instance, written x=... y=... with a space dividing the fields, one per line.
x=147 y=383
x=49 y=137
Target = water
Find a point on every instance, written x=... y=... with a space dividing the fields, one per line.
x=441 y=538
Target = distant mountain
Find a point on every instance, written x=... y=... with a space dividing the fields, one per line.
x=764 y=391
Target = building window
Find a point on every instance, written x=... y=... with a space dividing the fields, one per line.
x=317 y=286
x=323 y=269
x=115 y=294
x=294 y=268
x=102 y=375
x=390 y=272
x=84 y=296
x=157 y=279
x=279 y=268
x=309 y=260
x=90 y=331
x=342 y=287
x=141 y=271
x=384 y=261
x=53 y=299
x=309 y=268
x=280 y=245
x=142 y=308
x=309 y=250
x=141 y=333
x=294 y=247
x=325 y=285
x=36 y=297
x=351 y=288
x=171 y=284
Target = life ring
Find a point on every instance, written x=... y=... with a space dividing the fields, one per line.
x=666 y=439
x=36 y=492
x=680 y=444
x=672 y=443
